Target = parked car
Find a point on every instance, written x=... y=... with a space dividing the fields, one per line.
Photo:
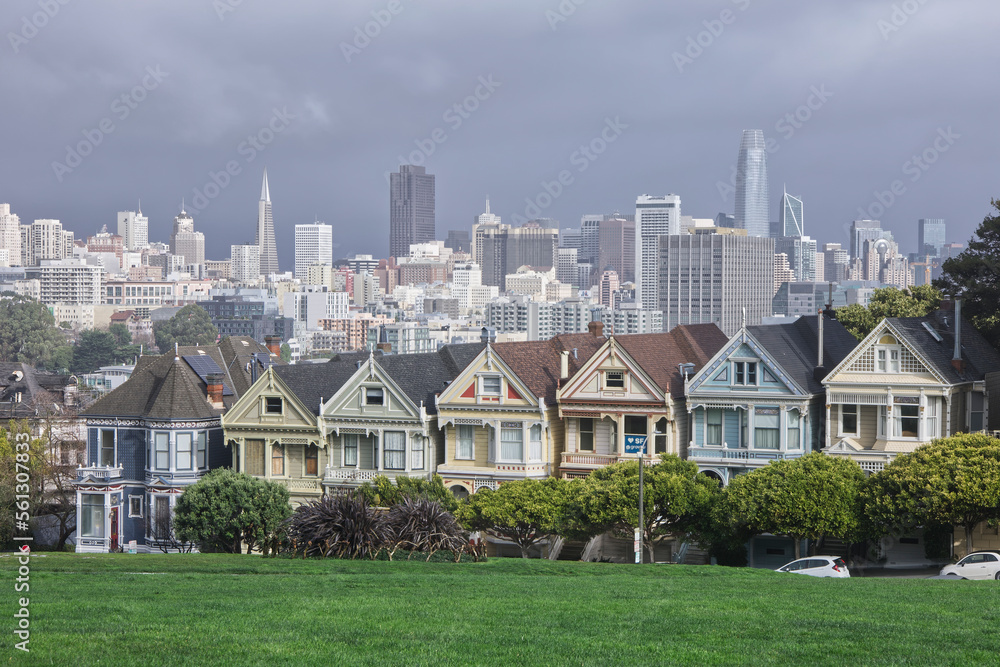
x=818 y=566
x=977 y=565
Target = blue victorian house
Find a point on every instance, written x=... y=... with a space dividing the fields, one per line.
x=761 y=398
x=154 y=436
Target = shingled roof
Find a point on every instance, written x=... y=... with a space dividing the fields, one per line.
x=536 y=363
x=980 y=357
x=795 y=347
x=660 y=354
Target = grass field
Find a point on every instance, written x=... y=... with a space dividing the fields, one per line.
x=241 y=610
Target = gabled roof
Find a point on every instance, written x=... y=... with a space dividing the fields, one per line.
x=19 y=378
x=795 y=347
x=536 y=363
x=312 y=383
x=661 y=354
x=980 y=357
x=237 y=352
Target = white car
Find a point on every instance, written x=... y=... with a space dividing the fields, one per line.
x=818 y=566
x=977 y=565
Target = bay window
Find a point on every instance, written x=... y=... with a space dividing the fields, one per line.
x=183 y=449
x=161 y=451
x=92 y=515
x=277 y=459
x=586 y=434
x=535 y=443
x=312 y=460
x=395 y=450
x=793 y=432
x=713 y=426
x=351 y=449
x=849 y=420
x=202 y=440
x=465 y=448
x=660 y=436
x=511 y=442
x=766 y=433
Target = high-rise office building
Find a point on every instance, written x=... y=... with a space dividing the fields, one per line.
x=313 y=243
x=245 y=262
x=268 y=250
x=10 y=235
x=930 y=236
x=133 y=227
x=752 y=202
x=865 y=230
x=500 y=249
x=458 y=241
x=185 y=242
x=617 y=247
x=609 y=286
x=801 y=252
x=791 y=222
x=836 y=263
x=654 y=217
x=45 y=239
x=411 y=209
x=718 y=278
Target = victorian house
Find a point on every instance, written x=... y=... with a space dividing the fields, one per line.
x=631 y=388
x=760 y=397
x=155 y=435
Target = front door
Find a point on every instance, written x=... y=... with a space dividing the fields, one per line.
x=114 y=529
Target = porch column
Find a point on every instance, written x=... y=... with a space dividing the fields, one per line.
x=828 y=436
x=947 y=415
x=377 y=450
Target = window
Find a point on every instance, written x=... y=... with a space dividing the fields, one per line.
x=202 y=450
x=744 y=419
x=491 y=385
x=351 y=449
x=135 y=506
x=92 y=515
x=395 y=450
x=255 y=457
x=466 y=439
x=183 y=451
x=107 y=453
x=312 y=460
x=277 y=459
x=745 y=373
x=907 y=420
x=161 y=446
x=976 y=412
x=374 y=396
x=660 y=437
x=614 y=380
x=417 y=443
x=586 y=434
x=931 y=418
x=713 y=426
x=793 y=435
x=849 y=419
x=887 y=355
x=765 y=432
x=512 y=442
x=635 y=425
x=272 y=405
x=161 y=518
x=535 y=443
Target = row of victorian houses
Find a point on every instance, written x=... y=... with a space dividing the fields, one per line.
x=485 y=413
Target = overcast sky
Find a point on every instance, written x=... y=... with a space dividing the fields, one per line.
x=164 y=94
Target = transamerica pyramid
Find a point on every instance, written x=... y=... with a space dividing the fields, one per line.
x=265 y=232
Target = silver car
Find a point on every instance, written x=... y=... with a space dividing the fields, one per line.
x=818 y=566
x=977 y=565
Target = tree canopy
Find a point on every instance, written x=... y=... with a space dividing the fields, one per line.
x=28 y=334
x=524 y=511
x=888 y=302
x=810 y=497
x=952 y=481
x=974 y=275
x=97 y=348
x=192 y=325
x=225 y=509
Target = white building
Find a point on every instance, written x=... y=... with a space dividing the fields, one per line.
x=313 y=243
x=187 y=243
x=133 y=227
x=654 y=217
x=70 y=281
x=10 y=235
x=45 y=239
x=468 y=288
x=245 y=262
x=308 y=307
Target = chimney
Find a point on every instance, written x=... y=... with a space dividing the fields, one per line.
x=956 y=359
x=213 y=389
x=564 y=364
x=384 y=348
x=273 y=345
x=596 y=328
x=819 y=372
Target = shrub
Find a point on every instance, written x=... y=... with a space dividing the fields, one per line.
x=341 y=525
x=423 y=525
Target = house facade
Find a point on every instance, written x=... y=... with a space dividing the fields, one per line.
x=150 y=439
x=759 y=399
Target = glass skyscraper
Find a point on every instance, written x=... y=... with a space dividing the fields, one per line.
x=792 y=223
x=930 y=236
x=752 y=202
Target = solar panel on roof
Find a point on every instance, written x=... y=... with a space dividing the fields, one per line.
x=204 y=366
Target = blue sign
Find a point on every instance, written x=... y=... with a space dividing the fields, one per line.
x=635 y=444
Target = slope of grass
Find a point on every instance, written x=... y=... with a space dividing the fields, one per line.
x=218 y=609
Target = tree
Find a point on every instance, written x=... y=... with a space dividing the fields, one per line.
x=22 y=465
x=888 y=302
x=811 y=497
x=952 y=481
x=974 y=275
x=675 y=496
x=190 y=326
x=383 y=492
x=28 y=334
x=286 y=353
x=93 y=349
x=524 y=511
x=63 y=451
x=225 y=509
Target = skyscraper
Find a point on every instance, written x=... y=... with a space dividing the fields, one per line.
x=792 y=223
x=10 y=235
x=133 y=227
x=245 y=262
x=617 y=247
x=185 y=242
x=752 y=201
x=930 y=236
x=265 y=232
x=865 y=230
x=411 y=209
x=654 y=217
x=313 y=243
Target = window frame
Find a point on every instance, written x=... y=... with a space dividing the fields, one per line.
x=347 y=446
x=201 y=450
x=615 y=377
x=771 y=431
x=270 y=402
x=745 y=373
x=157 y=452
x=508 y=443
x=397 y=451
x=856 y=414
x=483 y=390
x=135 y=514
x=417 y=452
x=372 y=392
x=793 y=426
x=535 y=444
x=277 y=456
x=720 y=425
x=461 y=442
x=93 y=513
x=101 y=449
x=189 y=452
x=310 y=454
x=581 y=432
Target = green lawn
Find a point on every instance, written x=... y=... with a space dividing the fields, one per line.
x=240 y=610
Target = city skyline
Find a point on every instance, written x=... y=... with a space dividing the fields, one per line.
x=824 y=118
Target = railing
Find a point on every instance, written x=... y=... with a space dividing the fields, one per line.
x=98 y=472
x=304 y=485
x=351 y=475
x=724 y=454
x=575 y=458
